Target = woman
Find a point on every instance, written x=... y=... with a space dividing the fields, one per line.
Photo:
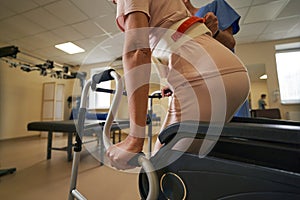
x=208 y=81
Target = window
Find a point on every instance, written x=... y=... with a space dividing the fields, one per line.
x=100 y=100
x=288 y=71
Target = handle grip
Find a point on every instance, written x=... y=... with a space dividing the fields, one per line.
x=134 y=161
x=101 y=77
x=168 y=91
x=139 y=160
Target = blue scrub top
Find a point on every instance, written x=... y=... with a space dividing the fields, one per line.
x=226 y=15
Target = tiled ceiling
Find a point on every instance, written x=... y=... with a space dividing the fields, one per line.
x=35 y=26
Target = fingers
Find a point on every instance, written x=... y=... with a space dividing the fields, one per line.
x=211 y=17
x=212 y=22
x=119 y=164
x=119 y=154
x=119 y=158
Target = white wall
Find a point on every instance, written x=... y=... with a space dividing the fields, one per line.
x=21 y=100
x=258 y=88
x=264 y=53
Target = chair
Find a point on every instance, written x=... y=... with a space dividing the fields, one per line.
x=273 y=113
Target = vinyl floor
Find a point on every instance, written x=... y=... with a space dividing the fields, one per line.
x=42 y=179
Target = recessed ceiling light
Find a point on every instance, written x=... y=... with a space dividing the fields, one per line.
x=70 y=48
x=264 y=77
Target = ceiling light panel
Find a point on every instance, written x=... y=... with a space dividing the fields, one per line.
x=263 y=77
x=70 y=48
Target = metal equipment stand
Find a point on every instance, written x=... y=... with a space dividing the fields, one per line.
x=154 y=95
x=7 y=171
x=139 y=159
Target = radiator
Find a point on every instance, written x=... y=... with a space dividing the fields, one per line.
x=293 y=115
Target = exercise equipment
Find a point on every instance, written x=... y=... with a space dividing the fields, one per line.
x=139 y=159
x=153 y=95
x=69 y=127
x=47 y=67
x=11 y=51
x=251 y=160
x=7 y=171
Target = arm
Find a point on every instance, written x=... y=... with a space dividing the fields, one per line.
x=136 y=63
x=225 y=37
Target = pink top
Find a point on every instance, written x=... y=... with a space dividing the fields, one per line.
x=161 y=13
x=166 y=12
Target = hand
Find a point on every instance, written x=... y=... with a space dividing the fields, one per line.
x=166 y=91
x=121 y=153
x=212 y=22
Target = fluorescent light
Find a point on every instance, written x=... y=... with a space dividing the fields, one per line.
x=70 y=48
x=263 y=77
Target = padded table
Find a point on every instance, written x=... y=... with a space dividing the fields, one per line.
x=69 y=127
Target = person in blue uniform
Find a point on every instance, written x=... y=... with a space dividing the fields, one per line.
x=261 y=102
